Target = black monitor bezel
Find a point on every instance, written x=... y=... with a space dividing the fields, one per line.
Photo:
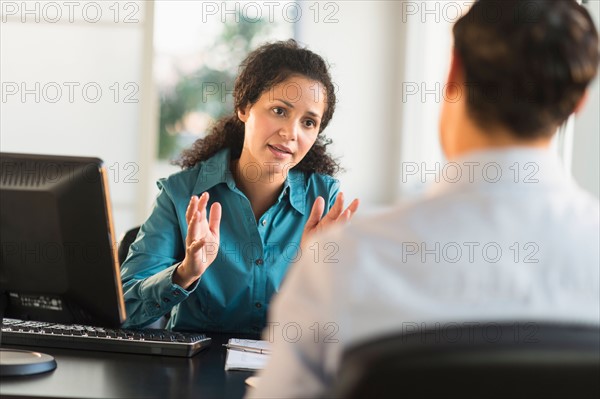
x=94 y=295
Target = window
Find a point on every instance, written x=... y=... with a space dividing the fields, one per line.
x=198 y=47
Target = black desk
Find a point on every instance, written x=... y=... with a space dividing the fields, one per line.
x=86 y=374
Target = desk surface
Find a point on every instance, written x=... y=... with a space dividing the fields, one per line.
x=87 y=374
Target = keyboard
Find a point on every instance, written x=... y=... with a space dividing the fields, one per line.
x=148 y=342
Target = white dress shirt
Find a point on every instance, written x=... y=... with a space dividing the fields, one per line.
x=505 y=235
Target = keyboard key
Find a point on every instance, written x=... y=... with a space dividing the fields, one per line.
x=154 y=342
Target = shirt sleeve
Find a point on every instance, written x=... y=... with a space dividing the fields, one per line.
x=148 y=270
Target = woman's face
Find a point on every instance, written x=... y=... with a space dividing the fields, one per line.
x=282 y=126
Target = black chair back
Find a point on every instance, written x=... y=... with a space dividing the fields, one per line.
x=126 y=242
x=517 y=360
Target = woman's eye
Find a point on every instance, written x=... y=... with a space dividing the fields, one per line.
x=279 y=111
x=310 y=123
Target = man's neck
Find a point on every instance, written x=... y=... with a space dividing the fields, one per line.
x=473 y=138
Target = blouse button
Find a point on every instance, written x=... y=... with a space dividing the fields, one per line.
x=264 y=222
x=259 y=261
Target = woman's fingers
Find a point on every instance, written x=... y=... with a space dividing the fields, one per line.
x=315 y=214
x=214 y=221
x=345 y=216
x=196 y=245
x=193 y=232
x=337 y=208
x=202 y=201
x=337 y=212
x=196 y=204
x=336 y=215
x=192 y=205
x=353 y=207
x=199 y=227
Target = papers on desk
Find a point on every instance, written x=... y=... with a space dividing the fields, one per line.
x=245 y=354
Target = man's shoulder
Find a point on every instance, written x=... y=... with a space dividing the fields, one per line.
x=586 y=200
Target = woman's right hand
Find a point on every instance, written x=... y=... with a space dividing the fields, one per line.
x=201 y=242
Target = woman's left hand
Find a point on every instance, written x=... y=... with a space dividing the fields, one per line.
x=336 y=215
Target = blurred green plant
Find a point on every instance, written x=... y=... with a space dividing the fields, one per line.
x=209 y=89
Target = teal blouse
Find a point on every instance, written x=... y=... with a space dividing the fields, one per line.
x=233 y=294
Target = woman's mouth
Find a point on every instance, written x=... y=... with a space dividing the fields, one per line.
x=279 y=151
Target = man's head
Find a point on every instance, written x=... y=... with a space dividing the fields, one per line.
x=519 y=69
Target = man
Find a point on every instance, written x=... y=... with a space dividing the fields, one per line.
x=507 y=236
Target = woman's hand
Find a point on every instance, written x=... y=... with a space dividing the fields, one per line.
x=336 y=215
x=202 y=241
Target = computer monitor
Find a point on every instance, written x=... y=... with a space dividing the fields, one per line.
x=58 y=256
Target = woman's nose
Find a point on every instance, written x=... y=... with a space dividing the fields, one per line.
x=290 y=130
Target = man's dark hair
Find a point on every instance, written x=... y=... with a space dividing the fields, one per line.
x=527 y=63
x=264 y=68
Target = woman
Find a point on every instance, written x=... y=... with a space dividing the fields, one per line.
x=258 y=183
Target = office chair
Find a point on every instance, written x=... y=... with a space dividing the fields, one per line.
x=126 y=241
x=520 y=360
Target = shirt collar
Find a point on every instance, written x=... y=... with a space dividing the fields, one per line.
x=295 y=186
x=213 y=171
x=508 y=167
x=216 y=170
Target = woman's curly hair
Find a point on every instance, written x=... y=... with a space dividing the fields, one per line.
x=262 y=69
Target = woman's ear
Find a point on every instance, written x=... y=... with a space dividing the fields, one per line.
x=242 y=113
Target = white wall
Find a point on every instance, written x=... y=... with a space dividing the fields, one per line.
x=360 y=42
x=381 y=51
x=586 y=141
x=40 y=55
x=390 y=59
x=375 y=48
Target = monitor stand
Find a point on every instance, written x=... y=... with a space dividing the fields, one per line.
x=14 y=362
